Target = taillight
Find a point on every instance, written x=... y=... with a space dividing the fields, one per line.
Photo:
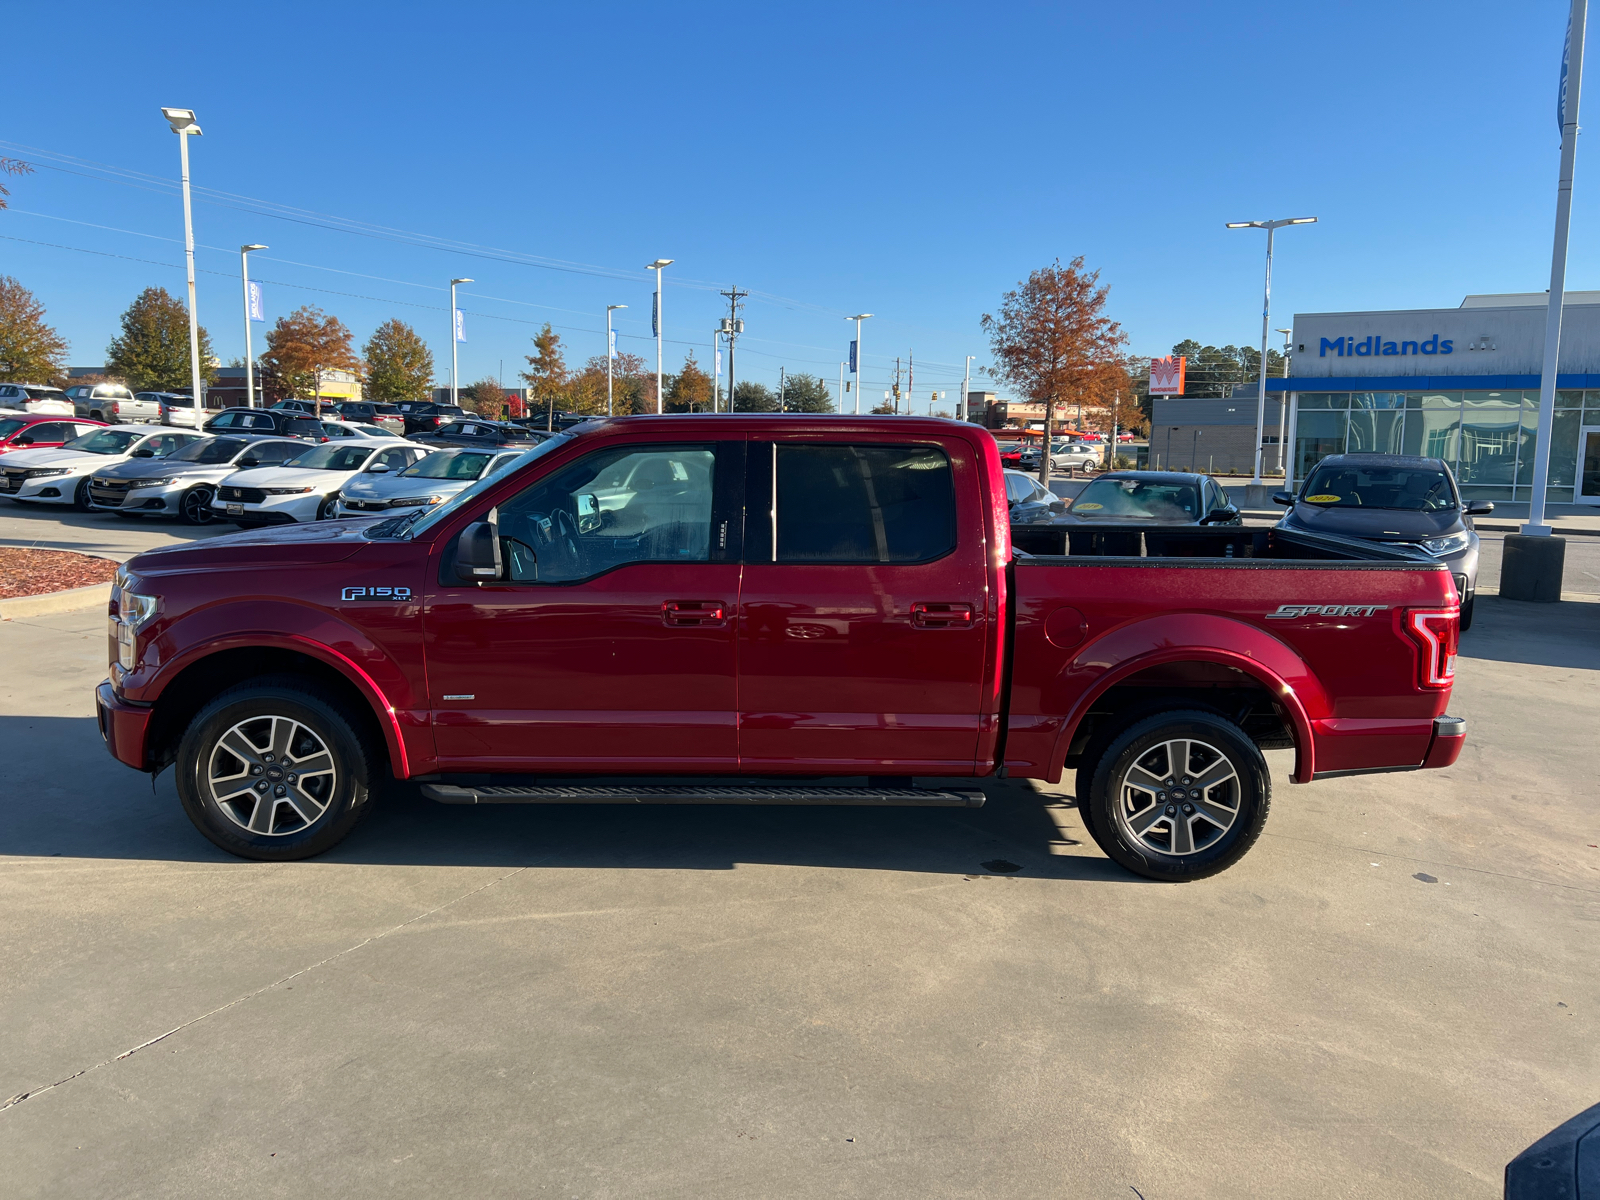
x=1436 y=634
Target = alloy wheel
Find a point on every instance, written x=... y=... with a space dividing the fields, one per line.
x=271 y=775
x=195 y=506
x=1178 y=797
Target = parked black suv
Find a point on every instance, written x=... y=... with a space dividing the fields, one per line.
x=281 y=421
x=425 y=416
x=487 y=435
x=384 y=416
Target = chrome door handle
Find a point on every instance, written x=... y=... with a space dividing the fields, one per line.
x=930 y=614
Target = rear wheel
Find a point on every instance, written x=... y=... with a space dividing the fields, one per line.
x=1178 y=795
x=275 y=770
x=194 y=506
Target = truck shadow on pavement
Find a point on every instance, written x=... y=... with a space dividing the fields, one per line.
x=1566 y=634
x=69 y=799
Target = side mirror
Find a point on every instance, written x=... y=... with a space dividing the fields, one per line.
x=249 y=460
x=1479 y=508
x=23 y=441
x=478 y=553
x=378 y=469
x=144 y=452
x=588 y=512
x=1284 y=498
x=1221 y=516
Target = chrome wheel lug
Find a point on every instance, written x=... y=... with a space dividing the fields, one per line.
x=1188 y=810
x=1170 y=782
x=262 y=786
x=280 y=790
x=1187 y=781
x=1172 y=810
x=256 y=770
x=267 y=758
x=294 y=779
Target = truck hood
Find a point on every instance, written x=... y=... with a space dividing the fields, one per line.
x=260 y=549
x=1378 y=524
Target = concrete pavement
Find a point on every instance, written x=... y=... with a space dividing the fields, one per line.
x=1392 y=994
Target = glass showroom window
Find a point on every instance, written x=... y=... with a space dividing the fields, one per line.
x=1491 y=424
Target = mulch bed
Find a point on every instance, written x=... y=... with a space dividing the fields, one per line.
x=39 y=572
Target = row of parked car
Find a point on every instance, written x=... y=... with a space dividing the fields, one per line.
x=250 y=466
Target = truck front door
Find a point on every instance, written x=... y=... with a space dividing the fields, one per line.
x=864 y=620
x=609 y=645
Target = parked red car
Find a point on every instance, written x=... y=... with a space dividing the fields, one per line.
x=24 y=432
x=767 y=596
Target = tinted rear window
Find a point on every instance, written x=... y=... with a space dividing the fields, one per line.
x=305 y=425
x=864 y=503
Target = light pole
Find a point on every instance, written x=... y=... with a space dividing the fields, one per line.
x=841 y=387
x=183 y=124
x=611 y=352
x=249 y=355
x=659 y=324
x=861 y=371
x=1283 y=402
x=1266 y=324
x=966 y=385
x=455 y=338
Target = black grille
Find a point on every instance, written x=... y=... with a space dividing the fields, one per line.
x=366 y=505
x=239 y=495
x=11 y=481
x=110 y=485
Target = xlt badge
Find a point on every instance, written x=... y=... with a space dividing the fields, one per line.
x=1290 y=611
x=376 y=593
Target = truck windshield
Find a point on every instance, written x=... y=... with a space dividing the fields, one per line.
x=470 y=494
x=1150 y=499
x=1348 y=485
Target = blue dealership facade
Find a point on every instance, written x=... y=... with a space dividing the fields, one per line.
x=1461 y=384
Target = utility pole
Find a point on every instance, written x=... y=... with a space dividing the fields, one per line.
x=841 y=387
x=911 y=379
x=897 y=385
x=966 y=385
x=780 y=389
x=732 y=327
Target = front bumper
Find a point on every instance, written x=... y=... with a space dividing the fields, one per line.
x=136 y=499
x=48 y=489
x=274 y=510
x=122 y=725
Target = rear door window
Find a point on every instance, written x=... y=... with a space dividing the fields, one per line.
x=862 y=503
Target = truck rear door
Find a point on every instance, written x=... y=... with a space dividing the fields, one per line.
x=864 y=618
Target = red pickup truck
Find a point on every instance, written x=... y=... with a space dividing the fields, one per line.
x=771 y=610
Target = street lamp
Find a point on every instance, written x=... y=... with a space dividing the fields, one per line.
x=656 y=267
x=1266 y=323
x=249 y=355
x=1283 y=402
x=455 y=371
x=966 y=385
x=611 y=353
x=183 y=124
x=860 y=362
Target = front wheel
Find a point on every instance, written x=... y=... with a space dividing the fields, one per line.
x=1179 y=795
x=275 y=770
x=80 y=495
x=327 y=510
x=194 y=506
x=1466 y=614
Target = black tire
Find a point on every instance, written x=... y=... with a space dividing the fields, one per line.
x=80 y=495
x=1466 y=614
x=194 y=506
x=1192 y=844
x=290 y=825
x=326 y=510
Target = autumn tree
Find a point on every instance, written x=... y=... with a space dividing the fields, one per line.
x=306 y=345
x=152 y=351
x=399 y=365
x=633 y=387
x=750 y=396
x=690 y=389
x=1052 y=340
x=12 y=166
x=806 y=394
x=30 y=350
x=546 y=375
x=884 y=408
x=487 y=398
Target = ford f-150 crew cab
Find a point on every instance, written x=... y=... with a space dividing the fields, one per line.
x=769 y=609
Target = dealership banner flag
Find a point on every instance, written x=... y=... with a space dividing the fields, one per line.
x=461 y=326
x=258 y=303
x=853 y=358
x=655 y=325
x=1561 y=90
x=612 y=349
x=718 y=372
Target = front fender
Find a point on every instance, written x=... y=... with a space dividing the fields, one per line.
x=272 y=623
x=1190 y=637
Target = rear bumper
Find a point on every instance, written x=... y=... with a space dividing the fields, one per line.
x=1382 y=747
x=1449 y=736
x=122 y=725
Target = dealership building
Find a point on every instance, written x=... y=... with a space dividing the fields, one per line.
x=1461 y=384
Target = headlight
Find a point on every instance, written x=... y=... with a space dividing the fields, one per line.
x=150 y=483
x=284 y=491
x=133 y=610
x=41 y=472
x=415 y=501
x=1449 y=544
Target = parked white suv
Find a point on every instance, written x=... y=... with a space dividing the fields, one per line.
x=112 y=403
x=35 y=398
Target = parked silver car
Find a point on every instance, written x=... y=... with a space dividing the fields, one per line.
x=434 y=479
x=184 y=483
x=36 y=399
x=112 y=403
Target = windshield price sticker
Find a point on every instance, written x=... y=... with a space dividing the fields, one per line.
x=1086 y=507
x=1324 y=499
x=375 y=593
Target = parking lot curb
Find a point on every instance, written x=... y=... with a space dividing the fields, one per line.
x=70 y=600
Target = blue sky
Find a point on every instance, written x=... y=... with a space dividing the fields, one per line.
x=913 y=161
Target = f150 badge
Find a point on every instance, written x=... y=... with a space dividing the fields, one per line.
x=1290 y=611
x=376 y=593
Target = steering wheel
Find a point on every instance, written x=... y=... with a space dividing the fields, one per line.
x=566 y=536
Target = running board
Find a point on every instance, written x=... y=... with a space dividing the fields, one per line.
x=447 y=793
